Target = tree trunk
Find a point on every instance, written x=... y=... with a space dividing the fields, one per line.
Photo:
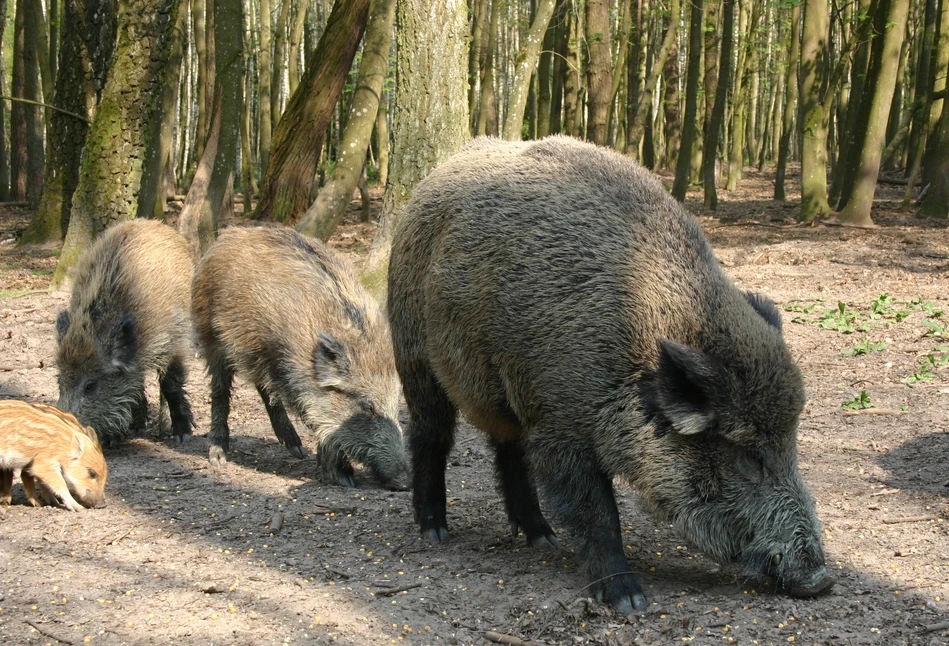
x=382 y=142
x=557 y=73
x=636 y=130
x=598 y=68
x=936 y=202
x=717 y=117
x=211 y=185
x=431 y=111
x=325 y=213
x=279 y=60
x=857 y=210
x=633 y=73
x=814 y=114
x=88 y=40
x=298 y=139
x=544 y=76
x=747 y=24
x=26 y=123
x=4 y=158
x=790 y=96
x=111 y=175
x=296 y=36
x=488 y=108
x=932 y=164
x=200 y=35
x=571 y=75
x=264 y=71
x=526 y=61
x=693 y=70
x=479 y=15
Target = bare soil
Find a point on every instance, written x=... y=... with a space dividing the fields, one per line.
x=263 y=552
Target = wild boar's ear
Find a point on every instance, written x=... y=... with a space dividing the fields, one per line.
x=331 y=360
x=62 y=324
x=686 y=388
x=124 y=343
x=765 y=308
x=77 y=447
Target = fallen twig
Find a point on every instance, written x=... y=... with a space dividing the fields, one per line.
x=874 y=411
x=47 y=633
x=337 y=572
x=909 y=519
x=509 y=640
x=885 y=492
x=931 y=628
x=115 y=541
x=391 y=591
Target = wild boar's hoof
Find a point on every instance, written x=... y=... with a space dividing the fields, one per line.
x=622 y=591
x=436 y=534
x=181 y=439
x=216 y=456
x=297 y=451
x=544 y=539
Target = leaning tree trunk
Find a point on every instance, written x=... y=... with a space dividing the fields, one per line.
x=857 y=210
x=212 y=180
x=26 y=124
x=598 y=69
x=526 y=61
x=431 y=111
x=814 y=113
x=298 y=138
x=327 y=210
x=111 y=178
x=86 y=43
x=693 y=71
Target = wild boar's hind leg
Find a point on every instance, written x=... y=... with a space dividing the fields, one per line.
x=172 y=386
x=282 y=426
x=6 y=486
x=582 y=496
x=520 y=495
x=431 y=435
x=222 y=375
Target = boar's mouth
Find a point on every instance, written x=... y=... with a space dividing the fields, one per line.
x=818 y=584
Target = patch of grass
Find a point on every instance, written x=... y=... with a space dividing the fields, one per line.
x=935 y=359
x=859 y=402
x=842 y=320
x=41 y=272
x=864 y=347
x=884 y=306
x=10 y=293
x=931 y=309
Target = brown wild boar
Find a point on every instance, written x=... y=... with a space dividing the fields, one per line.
x=128 y=314
x=554 y=293
x=52 y=450
x=289 y=315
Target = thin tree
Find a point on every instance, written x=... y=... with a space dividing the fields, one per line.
x=264 y=71
x=815 y=52
x=526 y=62
x=693 y=71
x=111 y=177
x=298 y=139
x=717 y=118
x=327 y=210
x=26 y=123
x=790 y=102
x=431 y=111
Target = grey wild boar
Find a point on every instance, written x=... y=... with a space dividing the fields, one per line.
x=128 y=314
x=557 y=296
x=286 y=313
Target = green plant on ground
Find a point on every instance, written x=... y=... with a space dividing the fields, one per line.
x=864 y=347
x=842 y=320
x=935 y=359
x=859 y=402
x=935 y=328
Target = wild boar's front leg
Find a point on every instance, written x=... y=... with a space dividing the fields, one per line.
x=172 y=386
x=582 y=496
x=282 y=426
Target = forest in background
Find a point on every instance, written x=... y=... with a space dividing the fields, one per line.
x=112 y=107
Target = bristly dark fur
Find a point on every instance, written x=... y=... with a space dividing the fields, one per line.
x=555 y=294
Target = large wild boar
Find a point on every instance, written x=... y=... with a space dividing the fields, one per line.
x=286 y=313
x=557 y=296
x=128 y=314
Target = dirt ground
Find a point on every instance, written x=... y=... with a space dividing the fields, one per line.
x=262 y=552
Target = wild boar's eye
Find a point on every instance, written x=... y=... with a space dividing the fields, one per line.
x=90 y=387
x=93 y=474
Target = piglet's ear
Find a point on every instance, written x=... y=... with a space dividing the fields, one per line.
x=686 y=388
x=62 y=324
x=331 y=361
